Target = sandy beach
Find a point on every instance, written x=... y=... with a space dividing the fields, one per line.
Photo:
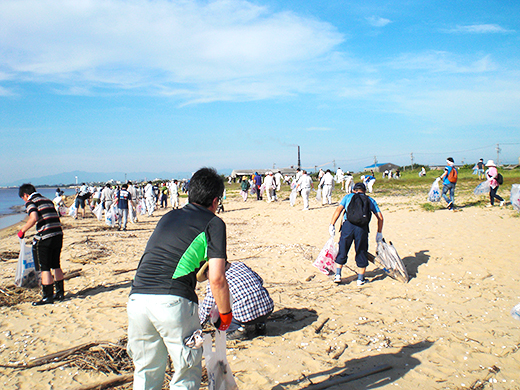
x=449 y=327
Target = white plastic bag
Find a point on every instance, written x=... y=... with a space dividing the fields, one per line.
x=292 y=197
x=26 y=274
x=388 y=258
x=73 y=210
x=482 y=188
x=318 y=194
x=515 y=196
x=220 y=376
x=111 y=216
x=326 y=257
x=435 y=192
x=142 y=207
x=98 y=211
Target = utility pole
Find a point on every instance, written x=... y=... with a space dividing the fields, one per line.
x=299 y=161
x=411 y=157
x=498 y=154
x=375 y=161
x=334 y=165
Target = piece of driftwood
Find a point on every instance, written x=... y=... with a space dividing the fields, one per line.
x=340 y=351
x=123 y=271
x=53 y=357
x=336 y=380
x=73 y=274
x=109 y=383
x=371 y=257
x=320 y=326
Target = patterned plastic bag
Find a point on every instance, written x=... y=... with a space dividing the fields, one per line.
x=26 y=274
x=326 y=257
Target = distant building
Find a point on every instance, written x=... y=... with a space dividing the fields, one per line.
x=248 y=172
x=381 y=167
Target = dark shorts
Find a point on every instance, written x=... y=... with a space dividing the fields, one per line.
x=353 y=234
x=47 y=253
x=80 y=202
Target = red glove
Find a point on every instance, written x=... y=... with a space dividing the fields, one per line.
x=223 y=322
x=21 y=234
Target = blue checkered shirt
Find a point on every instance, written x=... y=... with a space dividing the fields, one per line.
x=250 y=299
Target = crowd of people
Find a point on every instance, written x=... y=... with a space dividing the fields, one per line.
x=188 y=245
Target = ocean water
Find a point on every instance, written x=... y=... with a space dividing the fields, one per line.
x=12 y=208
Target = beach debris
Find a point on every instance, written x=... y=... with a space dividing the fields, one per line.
x=339 y=351
x=321 y=325
x=12 y=295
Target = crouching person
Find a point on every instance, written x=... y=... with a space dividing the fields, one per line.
x=251 y=305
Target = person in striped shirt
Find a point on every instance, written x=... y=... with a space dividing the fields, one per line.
x=47 y=242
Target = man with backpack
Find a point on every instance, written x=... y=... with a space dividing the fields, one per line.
x=449 y=180
x=358 y=209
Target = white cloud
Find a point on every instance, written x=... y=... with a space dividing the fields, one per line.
x=480 y=29
x=441 y=61
x=157 y=44
x=377 y=21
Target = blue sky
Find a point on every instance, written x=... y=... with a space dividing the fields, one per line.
x=113 y=85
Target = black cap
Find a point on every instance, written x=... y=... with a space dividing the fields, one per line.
x=360 y=186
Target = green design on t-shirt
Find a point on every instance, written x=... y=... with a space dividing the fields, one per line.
x=193 y=256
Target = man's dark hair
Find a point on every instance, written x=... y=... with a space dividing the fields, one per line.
x=124 y=186
x=108 y=185
x=360 y=186
x=26 y=189
x=129 y=183
x=205 y=185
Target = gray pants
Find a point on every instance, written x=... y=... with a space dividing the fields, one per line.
x=157 y=327
x=123 y=218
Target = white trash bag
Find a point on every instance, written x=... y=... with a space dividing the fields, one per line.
x=73 y=210
x=98 y=211
x=482 y=188
x=111 y=216
x=220 y=376
x=26 y=274
x=435 y=192
x=318 y=194
x=515 y=196
x=388 y=258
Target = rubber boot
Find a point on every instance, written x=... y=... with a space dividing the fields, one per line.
x=59 y=295
x=48 y=295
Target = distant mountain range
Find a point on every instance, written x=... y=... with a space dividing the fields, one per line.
x=67 y=178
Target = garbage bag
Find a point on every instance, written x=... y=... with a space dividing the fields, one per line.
x=325 y=260
x=515 y=196
x=482 y=188
x=220 y=376
x=26 y=274
x=73 y=210
x=435 y=192
x=318 y=194
x=98 y=211
x=388 y=259
x=292 y=197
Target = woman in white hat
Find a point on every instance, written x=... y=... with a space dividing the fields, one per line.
x=492 y=175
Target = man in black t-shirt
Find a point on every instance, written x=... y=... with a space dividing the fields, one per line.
x=47 y=242
x=163 y=306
